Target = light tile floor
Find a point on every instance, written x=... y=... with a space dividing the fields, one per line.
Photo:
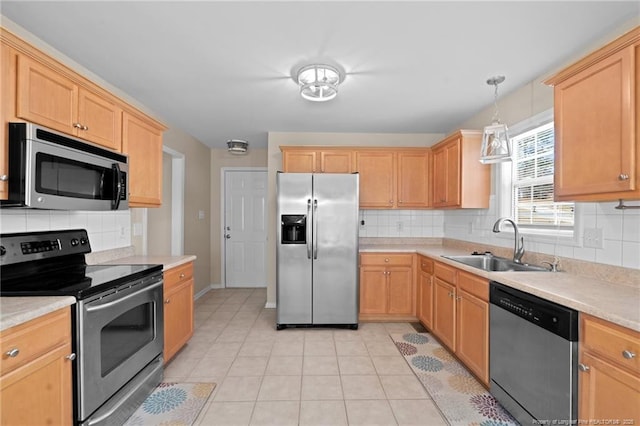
x=296 y=376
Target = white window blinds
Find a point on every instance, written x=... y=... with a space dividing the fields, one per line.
x=533 y=204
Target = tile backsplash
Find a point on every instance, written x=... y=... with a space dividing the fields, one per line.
x=620 y=231
x=401 y=223
x=107 y=229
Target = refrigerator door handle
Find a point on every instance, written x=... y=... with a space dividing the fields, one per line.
x=315 y=229
x=308 y=229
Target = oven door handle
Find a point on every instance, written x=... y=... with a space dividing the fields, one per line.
x=94 y=308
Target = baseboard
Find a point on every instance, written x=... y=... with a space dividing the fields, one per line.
x=270 y=305
x=206 y=290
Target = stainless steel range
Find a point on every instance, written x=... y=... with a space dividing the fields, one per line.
x=117 y=321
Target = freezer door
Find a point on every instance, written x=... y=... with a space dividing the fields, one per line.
x=335 y=249
x=293 y=270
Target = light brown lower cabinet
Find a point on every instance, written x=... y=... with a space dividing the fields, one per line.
x=178 y=308
x=461 y=317
x=425 y=291
x=387 y=288
x=35 y=380
x=609 y=377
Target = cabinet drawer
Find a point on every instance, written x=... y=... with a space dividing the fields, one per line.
x=386 y=259
x=445 y=272
x=611 y=341
x=426 y=264
x=475 y=285
x=34 y=338
x=179 y=273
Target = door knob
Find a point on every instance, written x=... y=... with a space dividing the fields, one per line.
x=227 y=236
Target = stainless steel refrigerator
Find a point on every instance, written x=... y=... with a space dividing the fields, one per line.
x=317 y=249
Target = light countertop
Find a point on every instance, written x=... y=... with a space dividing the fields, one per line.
x=167 y=262
x=17 y=310
x=613 y=302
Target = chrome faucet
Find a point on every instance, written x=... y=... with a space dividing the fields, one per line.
x=518 y=248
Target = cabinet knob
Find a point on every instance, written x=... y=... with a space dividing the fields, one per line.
x=583 y=367
x=167 y=301
x=628 y=354
x=458 y=297
x=182 y=275
x=386 y=259
x=4 y=178
x=71 y=356
x=390 y=202
x=12 y=353
x=623 y=176
x=77 y=126
x=84 y=128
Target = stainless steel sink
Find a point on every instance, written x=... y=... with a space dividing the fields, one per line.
x=495 y=263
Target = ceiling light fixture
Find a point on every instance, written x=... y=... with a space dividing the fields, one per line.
x=237 y=146
x=496 y=146
x=318 y=83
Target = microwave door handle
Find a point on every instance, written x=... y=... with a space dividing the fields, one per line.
x=115 y=203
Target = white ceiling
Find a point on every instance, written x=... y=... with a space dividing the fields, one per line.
x=223 y=70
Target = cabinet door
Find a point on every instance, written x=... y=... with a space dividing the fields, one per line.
x=439 y=177
x=446 y=169
x=8 y=77
x=101 y=120
x=594 y=119
x=607 y=392
x=425 y=300
x=373 y=290
x=336 y=161
x=143 y=143
x=413 y=179
x=377 y=178
x=39 y=393
x=400 y=290
x=299 y=161
x=444 y=313
x=472 y=340
x=178 y=317
x=45 y=97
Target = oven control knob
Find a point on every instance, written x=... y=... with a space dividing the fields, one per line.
x=74 y=242
x=3 y=251
x=83 y=241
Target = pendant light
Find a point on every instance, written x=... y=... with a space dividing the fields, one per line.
x=496 y=146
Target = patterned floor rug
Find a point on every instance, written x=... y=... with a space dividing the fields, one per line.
x=172 y=404
x=458 y=395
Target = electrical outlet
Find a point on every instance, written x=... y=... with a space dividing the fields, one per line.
x=592 y=237
x=399 y=226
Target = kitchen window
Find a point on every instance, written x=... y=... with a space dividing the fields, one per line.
x=528 y=181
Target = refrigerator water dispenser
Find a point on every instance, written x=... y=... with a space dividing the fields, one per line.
x=294 y=229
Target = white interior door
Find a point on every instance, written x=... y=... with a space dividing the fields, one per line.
x=245 y=230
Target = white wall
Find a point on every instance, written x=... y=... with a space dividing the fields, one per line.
x=107 y=229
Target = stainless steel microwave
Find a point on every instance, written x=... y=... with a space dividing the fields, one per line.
x=53 y=171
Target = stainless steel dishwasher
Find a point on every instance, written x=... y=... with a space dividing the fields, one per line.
x=533 y=357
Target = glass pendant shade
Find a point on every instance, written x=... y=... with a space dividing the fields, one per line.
x=318 y=83
x=496 y=147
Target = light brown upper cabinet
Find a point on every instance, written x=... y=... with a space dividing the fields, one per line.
x=47 y=97
x=312 y=160
x=390 y=178
x=413 y=178
x=142 y=142
x=597 y=119
x=377 y=171
x=459 y=179
x=39 y=89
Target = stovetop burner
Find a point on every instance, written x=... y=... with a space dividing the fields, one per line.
x=52 y=263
